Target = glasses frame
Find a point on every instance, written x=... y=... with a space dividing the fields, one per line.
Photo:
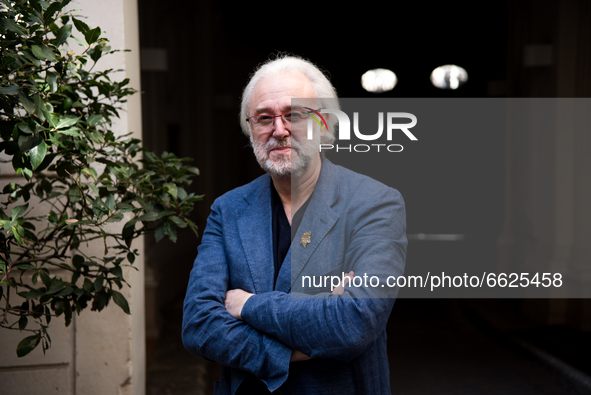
x=305 y=110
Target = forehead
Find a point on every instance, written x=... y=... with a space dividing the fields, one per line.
x=275 y=92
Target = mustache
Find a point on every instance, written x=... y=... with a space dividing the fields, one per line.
x=287 y=142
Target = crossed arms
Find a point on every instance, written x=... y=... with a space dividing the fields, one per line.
x=274 y=324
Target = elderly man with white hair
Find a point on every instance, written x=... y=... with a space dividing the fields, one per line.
x=247 y=306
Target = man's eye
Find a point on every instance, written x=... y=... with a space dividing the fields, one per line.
x=265 y=119
x=296 y=115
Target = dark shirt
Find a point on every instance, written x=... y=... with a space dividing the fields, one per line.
x=282 y=238
x=281 y=232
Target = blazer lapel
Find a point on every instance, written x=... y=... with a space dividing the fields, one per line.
x=318 y=219
x=256 y=235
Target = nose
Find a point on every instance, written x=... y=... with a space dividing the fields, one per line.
x=280 y=130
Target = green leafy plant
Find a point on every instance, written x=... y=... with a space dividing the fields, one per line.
x=78 y=177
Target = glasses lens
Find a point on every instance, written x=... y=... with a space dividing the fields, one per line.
x=295 y=116
x=264 y=121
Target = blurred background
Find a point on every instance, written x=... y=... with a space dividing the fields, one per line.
x=528 y=206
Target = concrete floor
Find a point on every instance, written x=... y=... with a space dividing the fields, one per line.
x=433 y=349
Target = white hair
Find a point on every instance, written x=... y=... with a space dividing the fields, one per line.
x=288 y=64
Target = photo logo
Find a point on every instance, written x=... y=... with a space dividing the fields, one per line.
x=345 y=130
x=310 y=136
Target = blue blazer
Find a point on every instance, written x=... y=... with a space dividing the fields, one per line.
x=356 y=223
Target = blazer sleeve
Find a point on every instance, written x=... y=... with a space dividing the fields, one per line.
x=342 y=327
x=210 y=332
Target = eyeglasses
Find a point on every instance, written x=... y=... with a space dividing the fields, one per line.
x=264 y=121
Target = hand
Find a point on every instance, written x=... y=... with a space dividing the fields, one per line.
x=341 y=288
x=298 y=356
x=234 y=302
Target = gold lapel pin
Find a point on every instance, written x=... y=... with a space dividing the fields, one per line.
x=306 y=239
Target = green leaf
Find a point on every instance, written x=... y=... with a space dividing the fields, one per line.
x=94 y=119
x=43 y=52
x=88 y=285
x=120 y=300
x=12 y=26
x=116 y=217
x=25 y=128
x=28 y=173
x=58 y=306
x=92 y=35
x=149 y=216
x=10 y=90
x=25 y=306
x=47 y=315
x=94 y=188
x=56 y=286
x=27 y=345
x=101 y=299
x=192 y=226
x=81 y=43
x=52 y=119
x=110 y=203
x=128 y=230
x=25 y=266
x=131 y=257
x=178 y=222
x=53 y=218
x=63 y=34
x=49 y=54
x=65 y=292
x=18 y=211
x=193 y=170
x=98 y=283
x=70 y=132
x=22 y=322
x=165 y=213
x=27 y=103
x=25 y=143
x=52 y=81
x=77 y=261
x=68 y=316
x=37 y=154
x=74 y=193
x=95 y=53
x=81 y=26
x=91 y=172
x=35 y=293
x=170 y=231
x=40 y=107
x=29 y=55
x=29 y=225
x=117 y=271
x=159 y=234
x=37 y=311
x=66 y=121
x=38 y=52
x=51 y=10
x=45 y=278
x=172 y=189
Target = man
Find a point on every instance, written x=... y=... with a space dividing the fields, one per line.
x=246 y=305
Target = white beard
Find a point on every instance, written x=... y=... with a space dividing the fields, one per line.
x=284 y=165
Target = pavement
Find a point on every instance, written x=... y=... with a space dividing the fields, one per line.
x=435 y=347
